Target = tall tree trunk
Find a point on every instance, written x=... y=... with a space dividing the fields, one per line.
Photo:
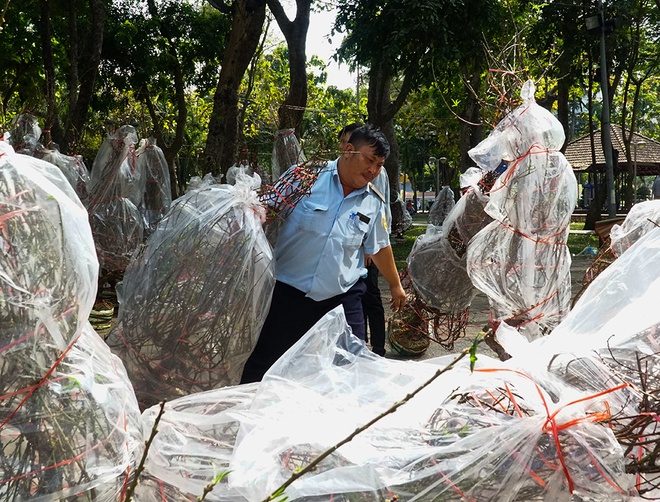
x=88 y=71
x=563 y=95
x=292 y=110
x=379 y=114
x=169 y=151
x=46 y=36
x=221 y=143
x=471 y=129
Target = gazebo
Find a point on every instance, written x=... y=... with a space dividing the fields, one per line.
x=645 y=152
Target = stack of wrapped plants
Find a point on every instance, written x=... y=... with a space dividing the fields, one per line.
x=68 y=414
x=193 y=301
x=24 y=133
x=116 y=189
x=157 y=187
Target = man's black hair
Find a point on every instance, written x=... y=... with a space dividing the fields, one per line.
x=372 y=136
x=348 y=128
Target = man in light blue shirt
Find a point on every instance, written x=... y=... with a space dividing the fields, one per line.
x=318 y=251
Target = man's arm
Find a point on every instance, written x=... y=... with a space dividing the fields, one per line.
x=384 y=260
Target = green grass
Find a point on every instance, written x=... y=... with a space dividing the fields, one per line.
x=401 y=247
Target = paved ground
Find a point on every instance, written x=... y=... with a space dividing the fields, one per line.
x=480 y=312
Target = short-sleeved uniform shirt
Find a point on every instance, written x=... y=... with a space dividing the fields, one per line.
x=318 y=250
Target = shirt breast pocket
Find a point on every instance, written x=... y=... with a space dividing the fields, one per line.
x=312 y=216
x=355 y=232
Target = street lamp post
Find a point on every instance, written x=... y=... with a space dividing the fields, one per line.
x=434 y=162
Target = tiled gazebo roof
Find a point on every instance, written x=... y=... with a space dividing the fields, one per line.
x=578 y=153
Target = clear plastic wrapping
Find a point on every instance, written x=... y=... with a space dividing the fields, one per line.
x=73 y=168
x=157 y=187
x=116 y=190
x=68 y=415
x=287 y=152
x=437 y=261
x=495 y=434
x=193 y=301
x=520 y=260
x=442 y=206
x=24 y=133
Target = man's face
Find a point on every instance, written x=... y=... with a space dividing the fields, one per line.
x=361 y=166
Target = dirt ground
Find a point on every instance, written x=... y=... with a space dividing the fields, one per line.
x=480 y=313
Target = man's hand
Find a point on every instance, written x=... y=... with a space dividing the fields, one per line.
x=398 y=300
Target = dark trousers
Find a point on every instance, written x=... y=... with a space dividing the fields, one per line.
x=374 y=313
x=291 y=315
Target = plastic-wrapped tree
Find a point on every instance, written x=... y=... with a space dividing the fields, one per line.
x=442 y=206
x=157 y=187
x=193 y=301
x=68 y=415
x=520 y=260
x=116 y=189
x=24 y=133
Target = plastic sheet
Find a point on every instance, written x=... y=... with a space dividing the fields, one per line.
x=442 y=206
x=116 y=190
x=158 y=191
x=520 y=260
x=68 y=416
x=495 y=434
x=193 y=301
x=215 y=416
x=642 y=217
x=196 y=182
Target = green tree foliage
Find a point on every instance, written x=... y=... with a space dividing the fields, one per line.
x=328 y=108
x=166 y=53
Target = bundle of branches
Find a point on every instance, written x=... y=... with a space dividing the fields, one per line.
x=488 y=434
x=68 y=417
x=157 y=193
x=281 y=198
x=116 y=189
x=73 y=168
x=442 y=206
x=287 y=152
x=504 y=435
x=193 y=301
x=610 y=339
x=520 y=260
x=24 y=133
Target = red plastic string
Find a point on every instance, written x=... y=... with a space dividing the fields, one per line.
x=551 y=423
